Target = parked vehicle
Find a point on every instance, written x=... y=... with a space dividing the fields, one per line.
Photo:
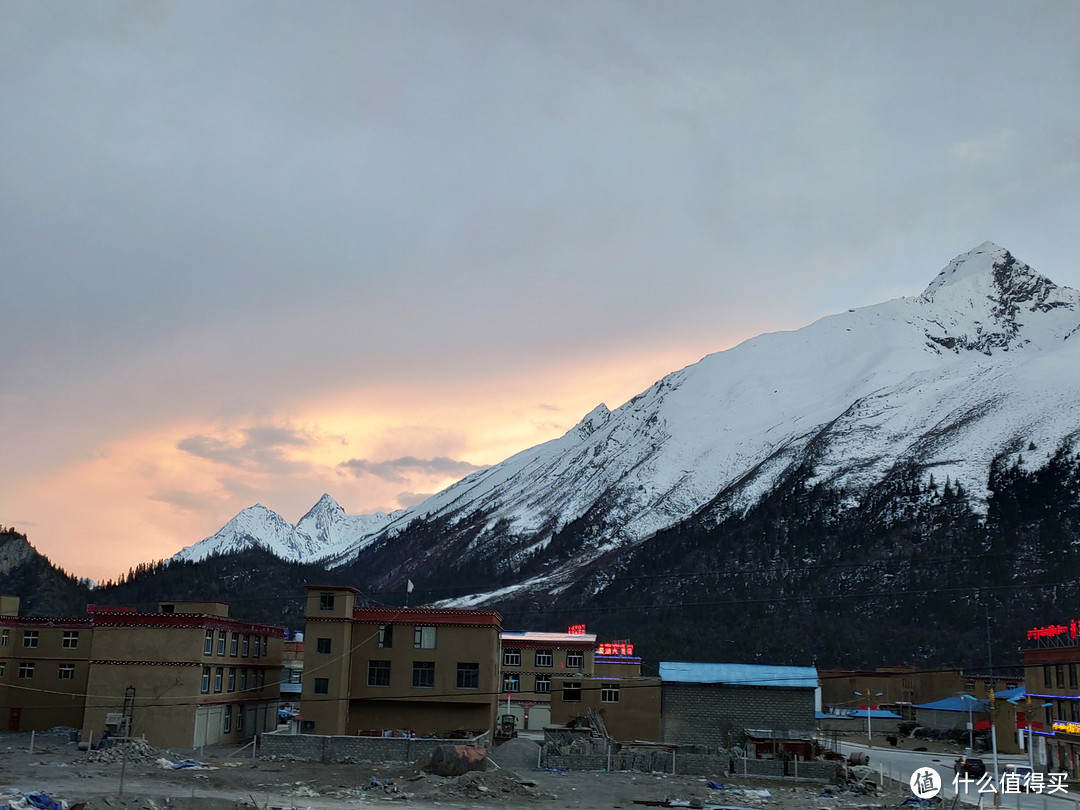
x=1023 y=772
x=970 y=766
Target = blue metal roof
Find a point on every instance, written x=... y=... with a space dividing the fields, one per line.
x=955 y=704
x=1009 y=694
x=875 y=714
x=739 y=674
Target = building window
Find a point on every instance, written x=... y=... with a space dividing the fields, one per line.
x=326 y=601
x=322 y=646
x=544 y=658
x=70 y=640
x=1060 y=670
x=294 y=675
x=1072 y=676
x=266 y=645
x=575 y=660
x=609 y=693
x=204 y=687
x=66 y=672
x=234 y=645
x=218 y=674
x=4 y=638
x=208 y=643
x=240 y=717
x=511 y=682
x=30 y=638
x=386 y=636
x=1074 y=711
x=255 y=647
x=1048 y=680
x=3 y=668
x=468 y=675
x=232 y=679
x=424 y=638
x=512 y=658
x=26 y=670
x=226 y=725
x=243 y=679
x=571 y=692
x=322 y=686
x=378 y=673
x=221 y=636
x=245 y=649
x=423 y=674
x=1049 y=715
x=543 y=684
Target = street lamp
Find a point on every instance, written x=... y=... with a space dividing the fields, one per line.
x=971 y=726
x=1030 y=729
x=869 y=738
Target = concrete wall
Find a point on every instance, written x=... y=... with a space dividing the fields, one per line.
x=717 y=715
x=365 y=749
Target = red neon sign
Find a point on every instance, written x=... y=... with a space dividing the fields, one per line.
x=616 y=648
x=1050 y=631
x=576 y=630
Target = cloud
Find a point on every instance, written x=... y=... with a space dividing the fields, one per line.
x=981 y=150
x=407 y=499
x=188 y=501
x=399 y=469
x=545 y=407
x=260 y=449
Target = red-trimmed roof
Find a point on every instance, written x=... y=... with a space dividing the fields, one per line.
x=331 y=588
x=436 y=616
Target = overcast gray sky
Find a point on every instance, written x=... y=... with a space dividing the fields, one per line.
x=258 y=250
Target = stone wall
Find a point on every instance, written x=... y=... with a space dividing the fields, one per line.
x=363 y=749
x=717 y=715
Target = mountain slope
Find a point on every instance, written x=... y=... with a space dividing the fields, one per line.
x=981 y=363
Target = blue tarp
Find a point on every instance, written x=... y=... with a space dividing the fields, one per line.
x=954 y=704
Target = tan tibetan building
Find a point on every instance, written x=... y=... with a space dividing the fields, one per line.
x=391 y=671
x=185 y=676
x=553 y=678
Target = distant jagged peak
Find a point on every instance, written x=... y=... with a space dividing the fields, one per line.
x=973 y=264
x=326 y=505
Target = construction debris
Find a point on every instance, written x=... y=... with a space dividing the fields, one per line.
x=137 y=751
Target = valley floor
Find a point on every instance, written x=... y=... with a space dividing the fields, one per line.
x=59 y=769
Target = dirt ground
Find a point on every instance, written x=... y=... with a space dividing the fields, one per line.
x=59 y=769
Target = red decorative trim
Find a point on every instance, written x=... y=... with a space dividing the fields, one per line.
x=147 y=663
x=462 y=617
x=38 y=622
x=331 y=588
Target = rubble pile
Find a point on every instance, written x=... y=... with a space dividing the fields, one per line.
x=137 y=751
x=517 y=754
x=492 y=786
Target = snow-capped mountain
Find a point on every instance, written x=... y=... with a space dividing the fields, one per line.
x=985 y=361
x=324 y=531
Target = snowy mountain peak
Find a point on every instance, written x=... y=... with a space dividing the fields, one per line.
x=324 y=509
x=986 y=299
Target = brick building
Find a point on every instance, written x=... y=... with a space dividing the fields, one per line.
x=379 y=670
x=530 y=660
x=184 y=676
x=1051 y=661
x=720 y=704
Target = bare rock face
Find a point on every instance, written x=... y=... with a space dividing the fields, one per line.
x=14 y=551
x=456 y=760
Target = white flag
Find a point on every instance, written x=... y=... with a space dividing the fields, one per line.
x=409 y=587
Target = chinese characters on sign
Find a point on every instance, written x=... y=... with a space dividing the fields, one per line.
x=1012 y=783
x=576 y=630
x=615 y=648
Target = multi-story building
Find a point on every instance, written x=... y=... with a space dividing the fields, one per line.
x=185 y=676
x=1050 y=709
x=389 y=670
x=529 y=662
x=292 y=669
